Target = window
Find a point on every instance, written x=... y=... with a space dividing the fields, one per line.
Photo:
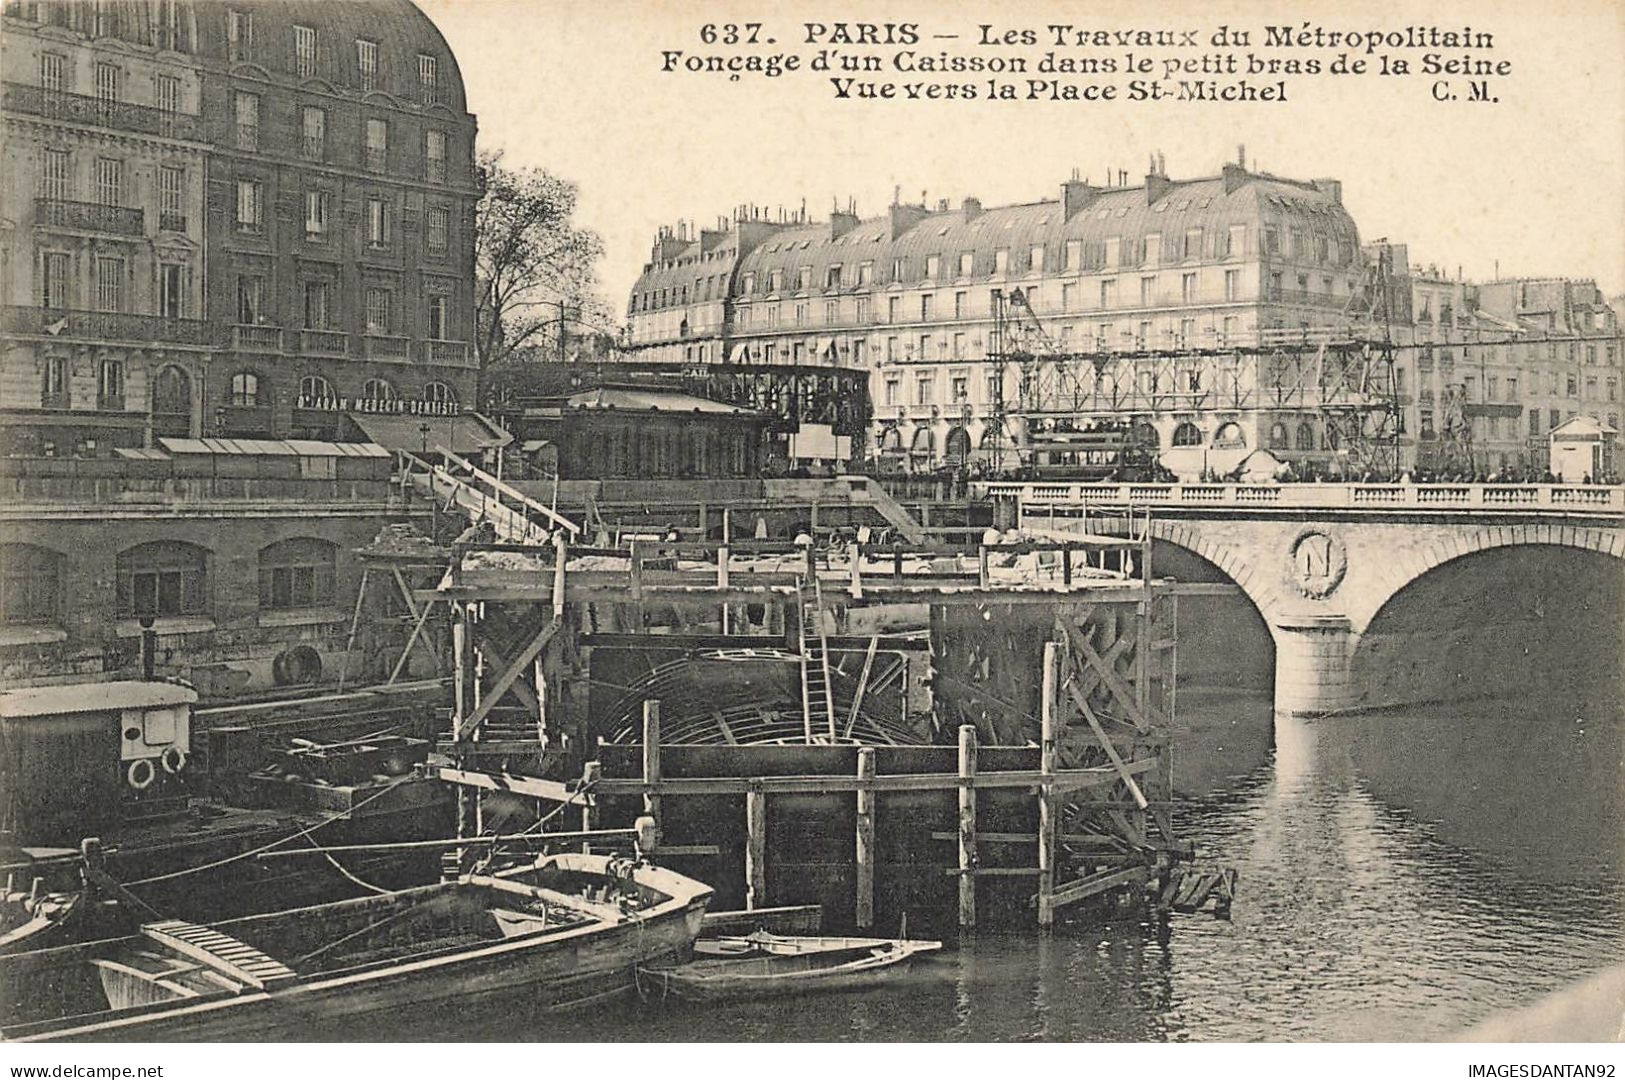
x=377 y=224
x=933 y=263
x=313 y=391
x=317 y=294
x=439 y=393
x=250 y=206
x=1512 y=388
x=1187 y=434
x=1074 y=254
x=30 y=578
x=304 y=51
x=434 y=155
x=440 y=318
x=866 y=273
x=378 y=390
x=1591 y=388
x=925 y=347
x=56 y=176
x=172 y=290
x=428 y=88
x=1235 y=241
x=1534 y=422
x=439 y=227
x=893 y=383
x=959 y=348
x=1278 y=439
x=1275 y=284
x=379 y=302
x=1492 y=387
x=1193 y=243
x=1108 y=293
x=801 y=314
x=926 y=300
x=376 y=151
x=239 y=35
x=314 y=144
x=1148 y=291
x=53 y=72
x=315 y=215
x=1572 y=384
x=248 y=121
x=54 y=280
x=865 y=312
x=169 y=94
x=297 y=573
x=1306 y=436
x=961 y=303
x=164 y=577
x=1001 y=261
x=1613 y=388
x=245 y=390
x=1232 y=284
x=110 y=385
x=108 y=77
x=54 y=383
x=891 y=350
x=1272 y=240
x=1035 y=259
x=171 y=186
x=250 y=299
x=832 y=312
x=366 y=63
x=893 y=308
x=110 y=181
x=109 y=272
x=959 y=388
x=925 y=388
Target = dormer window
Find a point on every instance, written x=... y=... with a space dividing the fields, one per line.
x=428 y=79
x=366 y=63
x=304 y=51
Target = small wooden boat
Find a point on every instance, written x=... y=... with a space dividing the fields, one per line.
x=32 y=922
x=763 y=943
x=802 y=969
x=562 y=932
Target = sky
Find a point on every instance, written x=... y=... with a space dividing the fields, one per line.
x=1531 y=184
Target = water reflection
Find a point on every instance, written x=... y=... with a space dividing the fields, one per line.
x=1402 y=876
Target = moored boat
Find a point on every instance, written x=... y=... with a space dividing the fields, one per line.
x=800 y=968
x=588 y=922
x=766 y=943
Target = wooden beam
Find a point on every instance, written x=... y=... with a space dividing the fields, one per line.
x=1094 y=884
x=866 y=839
x=529 y=786
x=1066 y=780
x=967 y=827
x=509 y=676
x=1048 y=806
x=1111 y=751
x=989 y=871
x=755 y=849
x=1123 y=693
x=651 y=760
x=863 y=684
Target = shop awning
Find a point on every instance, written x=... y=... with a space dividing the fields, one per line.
x=469 y=433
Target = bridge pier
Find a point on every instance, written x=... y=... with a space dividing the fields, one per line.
x=1313 y=664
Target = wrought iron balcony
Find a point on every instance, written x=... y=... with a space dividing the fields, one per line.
x=255 y=338
x=106 y=325
x=83 y=109
x=324 y=342
x=92 y=217
x=386 y=347
x=455 y=353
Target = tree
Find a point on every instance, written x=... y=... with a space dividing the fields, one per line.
x=535 y=270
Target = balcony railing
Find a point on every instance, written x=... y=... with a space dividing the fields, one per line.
x=83 y=109
x=448 y=352
x=92 y=217
x=1474 y=497
x=324 y=342
x=246 y=338
x=386 y=347
x=171 y=221
x=106 y=325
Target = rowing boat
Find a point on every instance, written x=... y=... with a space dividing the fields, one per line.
x=567 y=930
x=798 y=969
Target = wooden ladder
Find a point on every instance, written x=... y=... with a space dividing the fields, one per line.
x=224 y=954
x=817 y=698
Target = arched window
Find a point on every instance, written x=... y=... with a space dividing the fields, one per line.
x=30 y=579
x=1306 y=436
x=957 y=448
x=297 y=573
x=1278 y=439
x=1333 y=441
x=172 y=402
x=1187 y=434
x=163 y=577
x=313 y=391
x=1146 y=435
x=1230 y=435
x=891 y=439
x=378 y=390
x=923 y=441
x=245 y=390
x=440 y=393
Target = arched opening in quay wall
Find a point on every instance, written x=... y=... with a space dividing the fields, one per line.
x=1537 y=623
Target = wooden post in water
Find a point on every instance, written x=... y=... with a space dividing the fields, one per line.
x=590 y=772
x=1048 y=807
x=981 y=567
x=635 y=561
x=755 y=849
x=866 y=839
x=651 y=760
x=967 y=828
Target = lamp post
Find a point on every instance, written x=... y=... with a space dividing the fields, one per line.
x=423 y=430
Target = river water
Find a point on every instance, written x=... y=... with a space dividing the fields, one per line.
x=1402 y=876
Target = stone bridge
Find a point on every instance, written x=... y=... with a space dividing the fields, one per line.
x=1324 y=564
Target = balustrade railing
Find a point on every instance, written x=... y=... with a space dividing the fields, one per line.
x=84 y=109
x=1381 y=496
x=246 y=338
x=448 y=352
x=324 y=342
x=92 y=217
x=106 y=325
x=386 y=347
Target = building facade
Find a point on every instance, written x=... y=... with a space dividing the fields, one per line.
x=103 y=336
x=230 y=218
x=340 y=214
x=1128 y=275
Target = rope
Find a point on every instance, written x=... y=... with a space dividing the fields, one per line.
x=304 y=832
x=491 y=855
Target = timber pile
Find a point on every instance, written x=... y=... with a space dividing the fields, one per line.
x=1190 y=890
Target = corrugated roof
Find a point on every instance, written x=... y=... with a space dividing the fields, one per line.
x=469 y=433
x=639 y=399
x=93 y=697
